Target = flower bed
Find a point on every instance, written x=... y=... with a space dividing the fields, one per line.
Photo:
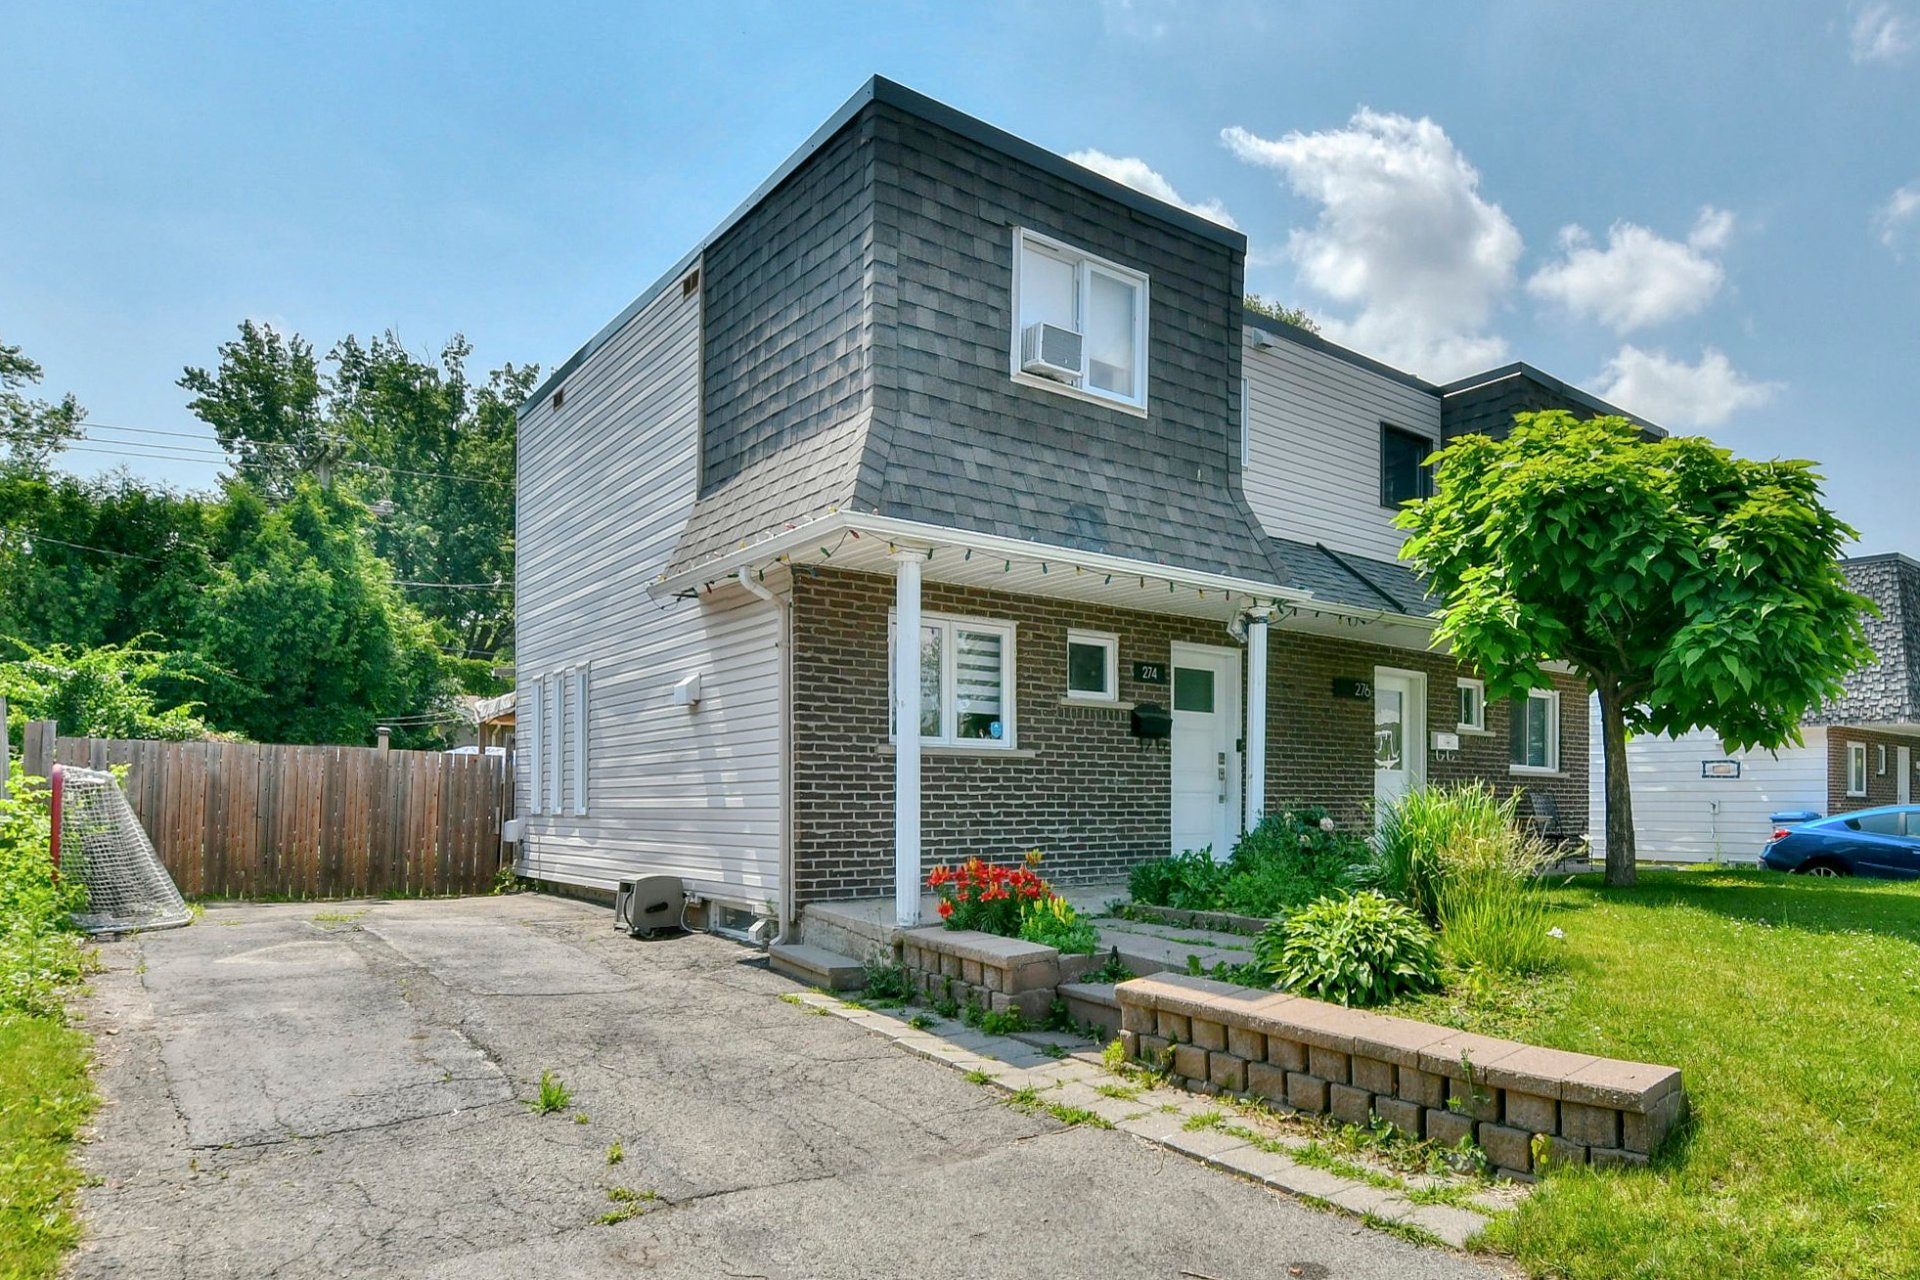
x=1010 y=902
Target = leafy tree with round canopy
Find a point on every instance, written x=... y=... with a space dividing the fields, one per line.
x=1691 y=588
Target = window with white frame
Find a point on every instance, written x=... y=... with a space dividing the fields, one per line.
x=1536 y=732
x=535 y=712
x=1880 y=759
x=966 y=681
x=1856 y=769
x=1103 y=303
x=578 y=713
x=1093 y=665
x=1473 y=706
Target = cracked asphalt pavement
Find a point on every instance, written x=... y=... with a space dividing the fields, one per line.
x=294 y=1096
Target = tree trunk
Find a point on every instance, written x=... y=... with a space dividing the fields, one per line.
x=1622 y=856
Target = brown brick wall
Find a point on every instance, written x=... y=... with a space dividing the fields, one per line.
x=1091 y=795
x=1881 y=787
x=1320 y=748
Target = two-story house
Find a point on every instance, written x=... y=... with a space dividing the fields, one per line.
x=933 y=381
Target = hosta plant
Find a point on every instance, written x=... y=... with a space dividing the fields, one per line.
x=1359 y=949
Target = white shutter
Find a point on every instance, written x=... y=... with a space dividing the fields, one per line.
x=580 y=740
x=536 y=740
x=555 y=740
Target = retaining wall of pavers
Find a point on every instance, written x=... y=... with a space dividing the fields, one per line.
x=987 y=970
x=1523 y=1105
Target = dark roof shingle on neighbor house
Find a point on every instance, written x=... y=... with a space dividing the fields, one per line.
x=1886 y=692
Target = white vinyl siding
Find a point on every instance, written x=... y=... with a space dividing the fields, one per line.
x=535 y=715
x=1312 y=468
x=606 y=485
x=1680 y=816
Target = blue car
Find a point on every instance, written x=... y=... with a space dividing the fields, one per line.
x=1883 y=843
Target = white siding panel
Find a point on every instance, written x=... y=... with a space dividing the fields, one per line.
x=606 y=483
x=1313 y=446
x=1678 y=816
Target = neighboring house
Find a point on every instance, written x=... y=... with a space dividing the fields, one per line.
x=1694 y=802
x=931 y=378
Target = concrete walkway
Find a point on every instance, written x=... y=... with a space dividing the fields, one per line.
x=297 y=1091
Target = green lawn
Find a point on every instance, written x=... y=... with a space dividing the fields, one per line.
x=1792 y=1007
x=44 y=1098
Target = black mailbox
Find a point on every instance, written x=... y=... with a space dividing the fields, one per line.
x=1151 y=720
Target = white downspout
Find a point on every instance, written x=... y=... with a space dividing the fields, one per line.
x=755 y=587
x=1256 y=715
x=906 y=751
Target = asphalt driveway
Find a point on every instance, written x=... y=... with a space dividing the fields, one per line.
x=298 y=1091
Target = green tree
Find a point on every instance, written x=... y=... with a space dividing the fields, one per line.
x=87 y=562
x=1275 y=310
x=434 y=452
x=300 y=634
x=105 y=692
x=414 y=439
x=266 y=404
x=1692 y=589
x=32 y=431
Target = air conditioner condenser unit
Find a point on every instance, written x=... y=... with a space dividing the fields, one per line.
x=1051 y=352
x=644 y=907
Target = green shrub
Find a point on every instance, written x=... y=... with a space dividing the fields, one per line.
x=1189 y=881
x=1290 y=858
x=1427 y=830
x=40 y=954
x=1501 y=926
x=1054 y=923
x=1359 y=949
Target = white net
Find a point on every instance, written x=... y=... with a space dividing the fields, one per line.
x=104 y=847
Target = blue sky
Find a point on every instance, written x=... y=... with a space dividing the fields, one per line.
x=1710 y=211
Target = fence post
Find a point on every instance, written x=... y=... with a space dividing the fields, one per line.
x=37 y=748
x=383 y=738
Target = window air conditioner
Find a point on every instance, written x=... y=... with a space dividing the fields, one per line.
x=1051 y=352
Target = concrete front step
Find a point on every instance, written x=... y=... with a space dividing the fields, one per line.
x=816 y=966
x=1151 y=948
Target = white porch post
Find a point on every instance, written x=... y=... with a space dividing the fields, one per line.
x=1256 y=714
x=906 y=756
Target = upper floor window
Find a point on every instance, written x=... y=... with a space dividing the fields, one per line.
x=1080 y=322
x=1403 y=470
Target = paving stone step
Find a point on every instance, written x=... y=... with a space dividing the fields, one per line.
x=816 y=966
x=1146 y=949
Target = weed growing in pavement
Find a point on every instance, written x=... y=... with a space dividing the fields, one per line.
x=615 y=1152
x=554 y=1095
x=580 y=1117
x=921 y=1021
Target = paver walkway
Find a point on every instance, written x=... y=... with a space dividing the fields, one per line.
x=290 y=1096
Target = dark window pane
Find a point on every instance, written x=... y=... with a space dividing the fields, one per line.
x=1192 y=689
x=1878 y=824
x=1087 y=668
x=1402 y=477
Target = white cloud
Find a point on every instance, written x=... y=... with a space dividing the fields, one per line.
x=1138 y=174
x=1881 y=33
x=1403 y=235
x=1898 y=220
x=1639 y=278
x=1679 y=395
x=1135 y=19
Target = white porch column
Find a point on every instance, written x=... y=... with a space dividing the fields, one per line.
x=906 y=756
x=1256 y=715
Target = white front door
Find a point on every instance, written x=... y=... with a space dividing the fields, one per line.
x=1399 y=735
x=1904 y=787
x=1206 y=758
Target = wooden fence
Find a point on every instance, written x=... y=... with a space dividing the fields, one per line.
x=240 y=820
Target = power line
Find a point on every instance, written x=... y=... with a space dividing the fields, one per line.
x=212 y=452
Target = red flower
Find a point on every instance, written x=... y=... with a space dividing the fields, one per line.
x=946 y=909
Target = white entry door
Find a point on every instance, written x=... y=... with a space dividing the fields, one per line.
x=1399 y=735
x=1206 y=757
x=1903 y=789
